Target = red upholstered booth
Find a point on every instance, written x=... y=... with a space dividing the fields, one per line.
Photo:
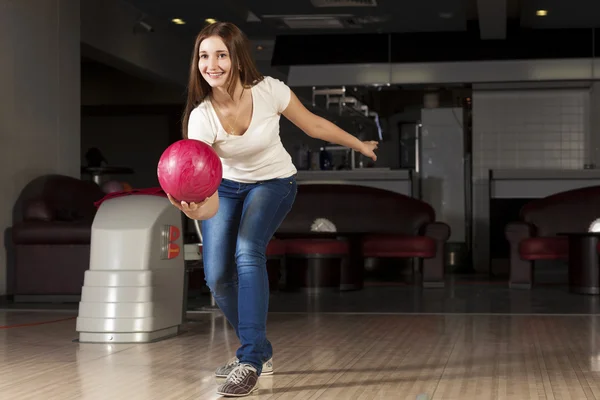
x=315 y=264
x=275 y=248
x=396 y=246
x=381 y=223
x=535 y=235
x=50 y=236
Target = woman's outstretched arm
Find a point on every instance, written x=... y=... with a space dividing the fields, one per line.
x=320 y=128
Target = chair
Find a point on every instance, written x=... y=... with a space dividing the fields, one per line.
x=51 y=235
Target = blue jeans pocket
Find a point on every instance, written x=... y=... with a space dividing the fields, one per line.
x=287 y=185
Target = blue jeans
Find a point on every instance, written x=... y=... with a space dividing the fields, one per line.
x=235 y=265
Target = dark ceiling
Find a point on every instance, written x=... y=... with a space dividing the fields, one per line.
x=264 y=19
x=425 y=31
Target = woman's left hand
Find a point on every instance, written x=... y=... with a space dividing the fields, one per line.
x=368 y=149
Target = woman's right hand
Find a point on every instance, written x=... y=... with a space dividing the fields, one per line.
x=192 y=210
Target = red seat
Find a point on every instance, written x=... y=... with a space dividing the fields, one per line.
x=316 y=247
x=544 y=248
x=315 y=264
x=399 y=246
x=276 y=248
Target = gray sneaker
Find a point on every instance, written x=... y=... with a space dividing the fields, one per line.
x=242 y=381
x=225 y=370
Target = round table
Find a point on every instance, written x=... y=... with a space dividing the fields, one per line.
x=97 y=172
x=584 y=267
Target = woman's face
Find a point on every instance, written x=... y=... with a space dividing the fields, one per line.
x=214 y=62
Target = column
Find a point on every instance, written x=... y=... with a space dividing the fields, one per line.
x=40 y=98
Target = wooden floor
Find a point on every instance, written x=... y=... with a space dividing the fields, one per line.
x=317 y=356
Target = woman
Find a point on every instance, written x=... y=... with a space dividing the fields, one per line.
x=233 y=108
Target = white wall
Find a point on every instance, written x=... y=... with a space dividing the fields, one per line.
x=40 y=98
x=566 y=69
x=539 y=129
x=529 y=129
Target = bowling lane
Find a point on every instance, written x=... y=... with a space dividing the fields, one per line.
x=317 y=356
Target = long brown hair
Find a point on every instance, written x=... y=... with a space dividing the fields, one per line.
x=238 y=46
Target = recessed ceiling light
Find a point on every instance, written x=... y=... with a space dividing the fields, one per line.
x=541 y=13
x=178 y=21
x=210 y=20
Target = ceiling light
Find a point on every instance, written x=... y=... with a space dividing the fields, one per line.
x=541 y=13
x=210 y=20
x=178 y=21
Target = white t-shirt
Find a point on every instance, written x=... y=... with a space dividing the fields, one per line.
x=258 y=154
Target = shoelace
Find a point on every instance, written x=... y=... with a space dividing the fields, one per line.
x=238 y=374
x=233 y=361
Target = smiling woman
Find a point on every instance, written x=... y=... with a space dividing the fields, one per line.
x=221 y=60
x=215 y=65
x=235 y=109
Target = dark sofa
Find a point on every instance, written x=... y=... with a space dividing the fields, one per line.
x=390 y=224
x=51 y=235
x=536 y=235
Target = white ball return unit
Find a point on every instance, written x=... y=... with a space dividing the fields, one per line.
x=133 y=290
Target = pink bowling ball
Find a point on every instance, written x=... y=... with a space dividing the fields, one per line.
x=190 y=170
